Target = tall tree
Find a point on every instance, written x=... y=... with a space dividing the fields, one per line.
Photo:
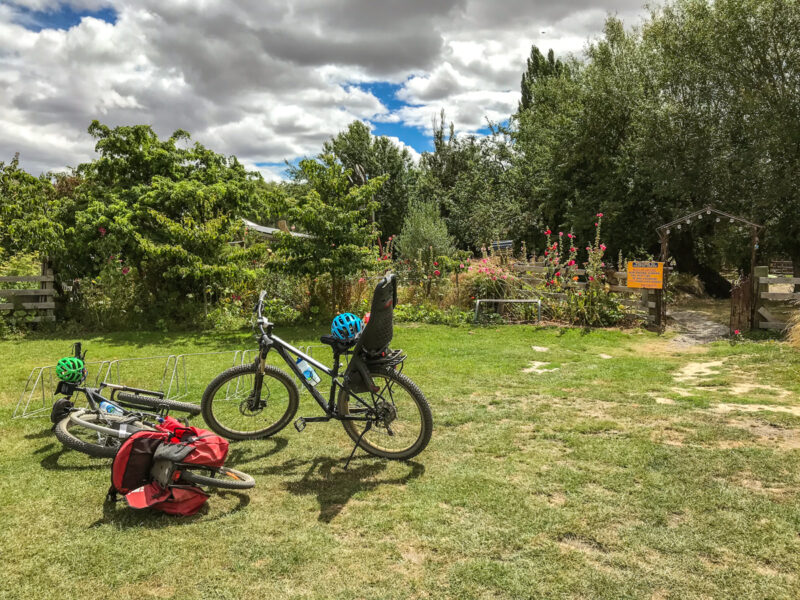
x=376 y=156
x=538 y=68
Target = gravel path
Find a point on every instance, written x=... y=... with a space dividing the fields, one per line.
x=695 y=327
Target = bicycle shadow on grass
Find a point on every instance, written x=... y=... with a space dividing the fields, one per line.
x=246 y=452
x=334 y=487
x=119 y=515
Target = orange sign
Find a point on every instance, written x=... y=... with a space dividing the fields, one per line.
x=646 y=274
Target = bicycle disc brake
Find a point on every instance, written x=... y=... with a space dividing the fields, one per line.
x=250 y=407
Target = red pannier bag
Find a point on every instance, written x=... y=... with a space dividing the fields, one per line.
x=208 y=448
x=132 y=469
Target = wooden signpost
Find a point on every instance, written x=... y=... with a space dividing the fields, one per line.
x=646 y=274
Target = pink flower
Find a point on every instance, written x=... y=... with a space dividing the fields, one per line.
x=570 y=263
x=494 y=278
x=591 y=278
x=546 y=253
x=505 y=276
x=558 y=273
x=126 y=270
x=102 y=231
x=570 y=236
x=736 y=332
x=461 y=266
x=361 y=280
x=560 y=233
x=596 y=225
x=600 y=215
x=435 y=264
x=555 y=245
x=436 y=272
x=602 y=246
x=548 y=232
x=485 y=260
x=588 y=247
x=573 y=249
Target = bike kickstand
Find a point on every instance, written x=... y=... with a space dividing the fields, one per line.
x=366 y=429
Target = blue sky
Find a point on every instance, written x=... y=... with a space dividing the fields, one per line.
x=269 y=81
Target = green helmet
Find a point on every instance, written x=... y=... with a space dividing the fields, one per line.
x=70 y=369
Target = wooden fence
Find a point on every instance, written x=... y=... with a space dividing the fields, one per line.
x=763 y=318
x=642 y=302
x=39 y=300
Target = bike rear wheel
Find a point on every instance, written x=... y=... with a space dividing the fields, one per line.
x=99 y=436
x=406 y=424
x=230 y=408
x=223 y=478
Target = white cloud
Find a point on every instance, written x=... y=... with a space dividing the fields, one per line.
x=268 y=80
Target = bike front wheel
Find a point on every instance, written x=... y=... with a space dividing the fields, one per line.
x=231 y=408
x=97 y=435
x=402 y=422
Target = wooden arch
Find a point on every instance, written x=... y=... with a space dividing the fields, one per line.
x=665 y=230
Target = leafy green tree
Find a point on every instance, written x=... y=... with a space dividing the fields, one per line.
x=27 y=216
x=376 y=156
x=334 y=216
x=163 y=207
x=538 y=68
x=470 y=180
x=424 y=230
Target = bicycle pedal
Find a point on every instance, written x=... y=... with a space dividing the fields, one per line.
x=300 y=424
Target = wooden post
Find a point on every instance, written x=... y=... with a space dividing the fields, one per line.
x=661 y=301
x=47 y=314
x=758 y=289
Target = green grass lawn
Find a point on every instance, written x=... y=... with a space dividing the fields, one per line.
x=563 y=464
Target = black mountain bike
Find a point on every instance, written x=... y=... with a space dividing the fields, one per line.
x=381 y=409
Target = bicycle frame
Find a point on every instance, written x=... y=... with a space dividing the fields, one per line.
x=286 y=351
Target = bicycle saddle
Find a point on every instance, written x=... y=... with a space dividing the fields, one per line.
x=337 y=344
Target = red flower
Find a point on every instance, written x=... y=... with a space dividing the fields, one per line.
x=570 y=236
x=600 y=215
x=548 y=232
x=558 y=273
x=126 y=270
x=596 y=225
x=573 y=249
x=102 y=231
x=591 y=278
x=436 y=272
x=602 y=246
x=546 y=253
x=736 y=332
x=570 y=263
x=435 y=264
x=472 y=297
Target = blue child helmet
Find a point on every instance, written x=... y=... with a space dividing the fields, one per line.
x=346 y=326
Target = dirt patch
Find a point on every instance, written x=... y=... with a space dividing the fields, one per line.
x=745 y=388
x=605 y=356
x=538 y=368
x=725 y=407
x=767 y=435
x=664 y=401
x=540 y=349
x=697 y=370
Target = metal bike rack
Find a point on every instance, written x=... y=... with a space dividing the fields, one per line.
x=174 y=381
